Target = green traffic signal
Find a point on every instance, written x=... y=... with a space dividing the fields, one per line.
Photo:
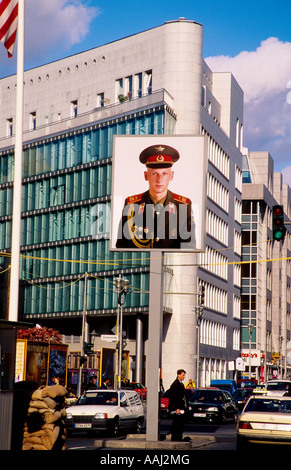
x=279 y=230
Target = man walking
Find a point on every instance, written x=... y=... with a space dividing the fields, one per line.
x=178 y=406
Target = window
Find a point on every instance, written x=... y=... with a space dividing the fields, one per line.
x=138 y=85
x=9 y=127
x=100 y=100
x=148 y=82
x=74 y=108
x=119 y=89
x=32 y=121
x=128 y=87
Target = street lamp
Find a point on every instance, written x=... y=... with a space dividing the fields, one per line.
x=251 y=329
x=121 y=287
x=199 y=312
x=93 y=335
x=83 y=337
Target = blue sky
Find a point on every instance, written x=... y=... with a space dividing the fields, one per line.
x=250 y=39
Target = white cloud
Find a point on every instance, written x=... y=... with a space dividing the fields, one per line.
x=52 y=29
x=51 y=23
x=265 y=77
x=262 y=72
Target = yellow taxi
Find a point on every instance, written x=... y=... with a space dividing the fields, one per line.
x=260 y=389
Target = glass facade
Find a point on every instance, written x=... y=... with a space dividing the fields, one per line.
x=65 y=221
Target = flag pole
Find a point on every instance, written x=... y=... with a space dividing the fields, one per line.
x=17 y=182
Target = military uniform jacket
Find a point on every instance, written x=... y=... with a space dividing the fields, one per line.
x=147 y=225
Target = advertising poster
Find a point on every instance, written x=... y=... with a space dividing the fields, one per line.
x=107 y=367
x=37 y=361
x=158 y=193
x=20 y=360
x=125 y=365
x=58 y=363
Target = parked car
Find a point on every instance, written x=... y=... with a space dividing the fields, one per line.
x=226 y=384
x=278 y=387
x=242 y=397
x=139 y=388
x=265 y=420
x=164 y=405
x=165 y=401
x=212 y=405
x=111 y=410
x=246 y=383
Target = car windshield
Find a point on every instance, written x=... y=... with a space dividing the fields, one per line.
x=246 y=384
x=98 y=398
x=277 y=386
x=244 y=392
x=269 y=405
x=207 y=396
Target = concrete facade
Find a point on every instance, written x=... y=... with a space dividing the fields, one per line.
x=269 y=281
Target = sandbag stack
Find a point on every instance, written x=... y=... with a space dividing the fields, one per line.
x=44 y=428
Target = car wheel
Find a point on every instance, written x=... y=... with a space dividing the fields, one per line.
x=115 y=427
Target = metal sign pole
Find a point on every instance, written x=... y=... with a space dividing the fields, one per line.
x=154 y=347
x=79 y=385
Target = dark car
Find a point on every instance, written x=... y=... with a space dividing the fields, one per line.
x=212 y=406
x=242 y=397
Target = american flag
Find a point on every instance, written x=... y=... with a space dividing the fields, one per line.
x=8 y=24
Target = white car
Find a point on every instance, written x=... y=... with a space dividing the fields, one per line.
x=278 y=387
x=101 y=410
x=265 y=420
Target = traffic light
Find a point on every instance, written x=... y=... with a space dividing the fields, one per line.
x=83 y=359
x=201 y=297
x=279 y=230
x=88 y=349
x=124 y=343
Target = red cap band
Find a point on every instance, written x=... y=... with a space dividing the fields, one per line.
x=159 y=159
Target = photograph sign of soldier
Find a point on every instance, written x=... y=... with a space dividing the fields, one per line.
x=158 y=193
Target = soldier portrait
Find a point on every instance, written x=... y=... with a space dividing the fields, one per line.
x=157 y=217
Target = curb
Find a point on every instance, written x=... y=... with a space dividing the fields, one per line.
x=138 y=441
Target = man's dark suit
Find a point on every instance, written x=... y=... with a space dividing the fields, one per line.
x=177 y=401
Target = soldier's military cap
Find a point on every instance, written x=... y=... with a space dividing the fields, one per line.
x=159 y=156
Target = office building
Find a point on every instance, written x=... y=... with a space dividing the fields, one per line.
x=265 y=299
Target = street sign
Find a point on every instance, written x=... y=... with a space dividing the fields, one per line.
x=240 y=363
x=109 y=338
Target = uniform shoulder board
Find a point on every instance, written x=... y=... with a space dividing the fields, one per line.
x=181 y=199
x=133 y=199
